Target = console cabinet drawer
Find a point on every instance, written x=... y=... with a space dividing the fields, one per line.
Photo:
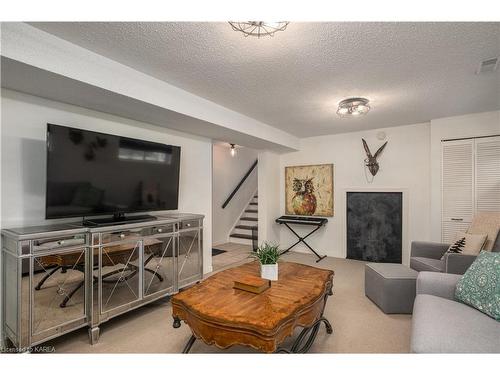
x=188 y=224
x=59 y=242
x=121 y=235
x=165 y=228
x=108 y=237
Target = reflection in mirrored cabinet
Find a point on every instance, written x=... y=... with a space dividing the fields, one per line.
x=119 y=274
x=44 y=286
x=159 y=265
x=189 y=255
x=57 y=291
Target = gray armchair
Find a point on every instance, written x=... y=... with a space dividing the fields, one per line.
x=428 y=256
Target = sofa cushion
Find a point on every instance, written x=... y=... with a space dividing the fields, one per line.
x=479 y=287
x=427 y=264
x=487 y=223
x=443 y=326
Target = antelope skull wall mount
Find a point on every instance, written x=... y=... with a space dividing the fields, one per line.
x=371 y=161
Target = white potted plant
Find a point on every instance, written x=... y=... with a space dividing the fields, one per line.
x=268 y=255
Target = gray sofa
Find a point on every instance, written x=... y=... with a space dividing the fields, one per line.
x=442 y=325
x=426 y=256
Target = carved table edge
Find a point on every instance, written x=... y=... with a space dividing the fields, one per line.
x=327 y=290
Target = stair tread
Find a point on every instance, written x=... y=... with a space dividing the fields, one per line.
x=250 y=227
x=249 y=218
x=253 y=211
x=245 y=236
x=253 y=203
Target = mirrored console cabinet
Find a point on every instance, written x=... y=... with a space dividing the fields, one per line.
x=59 y=278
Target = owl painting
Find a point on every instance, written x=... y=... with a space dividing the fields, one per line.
x=309 y=190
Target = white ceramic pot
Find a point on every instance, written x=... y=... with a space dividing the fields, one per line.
x=269 y=271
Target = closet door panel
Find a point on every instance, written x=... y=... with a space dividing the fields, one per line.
x=457 y=187
x=487 y=181
x=458 y=180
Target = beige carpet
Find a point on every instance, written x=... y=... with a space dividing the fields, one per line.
x=359 y=326
x=234 y=253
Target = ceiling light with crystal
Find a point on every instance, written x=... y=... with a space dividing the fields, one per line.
x=353 y=107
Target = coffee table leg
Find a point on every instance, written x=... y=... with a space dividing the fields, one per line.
x=328 y=326
x=177 y=322
x=310 y=333
x=189 y=344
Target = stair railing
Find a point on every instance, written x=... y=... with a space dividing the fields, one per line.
x=226 y=202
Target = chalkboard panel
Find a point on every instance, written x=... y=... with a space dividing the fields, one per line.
x=374 y=226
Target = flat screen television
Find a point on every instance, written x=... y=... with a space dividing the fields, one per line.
x=90 y=174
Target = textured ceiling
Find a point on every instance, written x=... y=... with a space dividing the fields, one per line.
x=411 y=72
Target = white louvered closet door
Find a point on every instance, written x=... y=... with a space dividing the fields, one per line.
x=487 y=181
x=457 y=176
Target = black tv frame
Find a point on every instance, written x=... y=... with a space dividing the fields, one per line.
x=118 y=217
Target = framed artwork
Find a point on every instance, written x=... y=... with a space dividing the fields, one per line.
x=309 y=190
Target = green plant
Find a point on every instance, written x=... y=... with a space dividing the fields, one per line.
x=267 y=253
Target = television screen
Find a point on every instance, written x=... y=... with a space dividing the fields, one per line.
x=91 y=173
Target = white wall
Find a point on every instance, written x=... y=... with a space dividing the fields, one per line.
x=227 y=173
x=404 y=164
x=24 y=120
x=269 y=196
x=472 y=125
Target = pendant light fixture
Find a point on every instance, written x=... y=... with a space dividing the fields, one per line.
x=258 y=28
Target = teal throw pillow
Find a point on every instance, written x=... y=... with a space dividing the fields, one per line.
x=479 y=287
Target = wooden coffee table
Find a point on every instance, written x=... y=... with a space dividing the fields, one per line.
x=223 y=316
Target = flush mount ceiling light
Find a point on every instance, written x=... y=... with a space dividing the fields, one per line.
x=353 y=107
x=258 y=28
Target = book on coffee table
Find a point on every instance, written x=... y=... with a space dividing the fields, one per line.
x=252 y=284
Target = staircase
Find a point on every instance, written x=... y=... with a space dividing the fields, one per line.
x=247 y=223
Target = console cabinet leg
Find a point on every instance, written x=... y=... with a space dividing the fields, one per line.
x=93 y=335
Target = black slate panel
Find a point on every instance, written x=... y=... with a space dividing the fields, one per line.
x=375 y=226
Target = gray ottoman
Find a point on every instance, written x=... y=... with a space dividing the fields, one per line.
x=391 y=287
